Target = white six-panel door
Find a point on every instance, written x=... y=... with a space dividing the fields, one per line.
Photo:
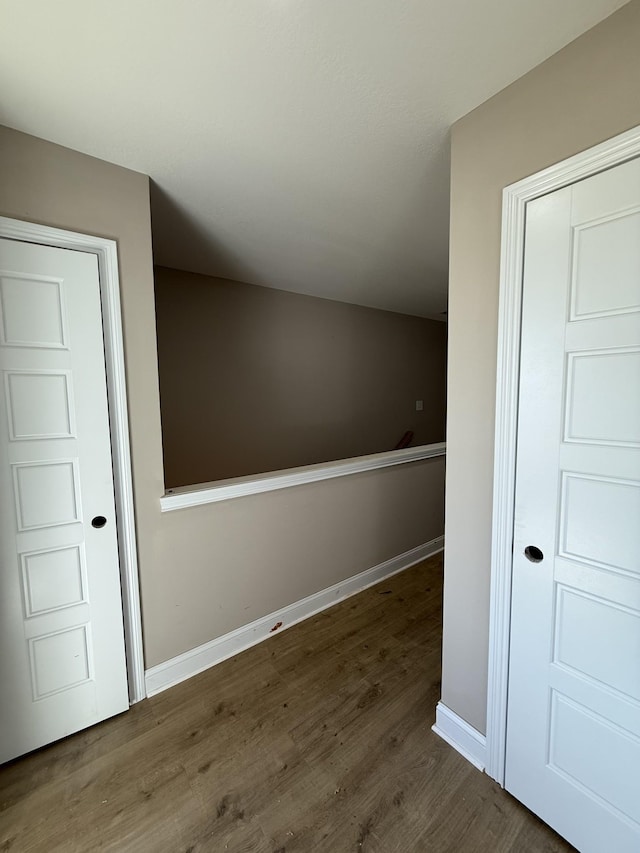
x=573 y=730
x=62 y=666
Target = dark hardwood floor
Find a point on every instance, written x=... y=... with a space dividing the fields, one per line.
x=317 y=740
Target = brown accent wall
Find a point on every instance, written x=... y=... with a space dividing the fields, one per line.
x=583 y=95
x=254 y=379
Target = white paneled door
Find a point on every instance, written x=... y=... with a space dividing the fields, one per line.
x=62 y=661
x=573 y=730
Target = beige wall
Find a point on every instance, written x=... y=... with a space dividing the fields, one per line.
x=583 y=95
x=46 y=183
x=207 y=570
x=235 y=561
x=254 y=379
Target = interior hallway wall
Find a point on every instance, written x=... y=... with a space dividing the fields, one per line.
x=207 y=570
x=254 y=379
x=583 y=95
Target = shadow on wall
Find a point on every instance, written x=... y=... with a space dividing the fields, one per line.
x=173 y=227
x=410 y=233
x=254 y=379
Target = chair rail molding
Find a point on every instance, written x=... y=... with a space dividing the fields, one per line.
x=515 y=198
x=223 y=490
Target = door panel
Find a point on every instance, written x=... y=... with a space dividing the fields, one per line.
x=604 y=782
x=63 y=662
x=573 y=731
x=596 y=412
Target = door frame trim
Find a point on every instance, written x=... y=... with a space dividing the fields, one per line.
x=515 y=198
x=106 y=252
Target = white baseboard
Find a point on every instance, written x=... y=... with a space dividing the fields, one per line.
x=173 y=671
x=461 y=736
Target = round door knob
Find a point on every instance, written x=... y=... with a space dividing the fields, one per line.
x=98 y=521
x=533 y=554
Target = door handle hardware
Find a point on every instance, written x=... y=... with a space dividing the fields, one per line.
x=98 y=521
x=533 y=554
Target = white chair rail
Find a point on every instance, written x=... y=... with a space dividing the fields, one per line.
x=223 y=490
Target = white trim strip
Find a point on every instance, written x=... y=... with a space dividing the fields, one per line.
x=223 y=490
x=460 y=735
x=107 y=255
x=617 y=150
x=173 y=671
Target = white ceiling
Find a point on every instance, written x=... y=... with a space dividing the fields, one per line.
x=294 y=144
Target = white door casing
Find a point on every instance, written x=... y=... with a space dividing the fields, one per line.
x=573 y=730
x=53 y=614
x=516 y=198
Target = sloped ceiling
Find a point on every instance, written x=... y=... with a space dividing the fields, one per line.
x=294 y=144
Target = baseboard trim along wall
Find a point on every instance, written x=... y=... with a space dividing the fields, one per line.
x=461 y=736
x=190 y=663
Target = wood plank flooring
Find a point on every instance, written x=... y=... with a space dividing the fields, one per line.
x=317 y=740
